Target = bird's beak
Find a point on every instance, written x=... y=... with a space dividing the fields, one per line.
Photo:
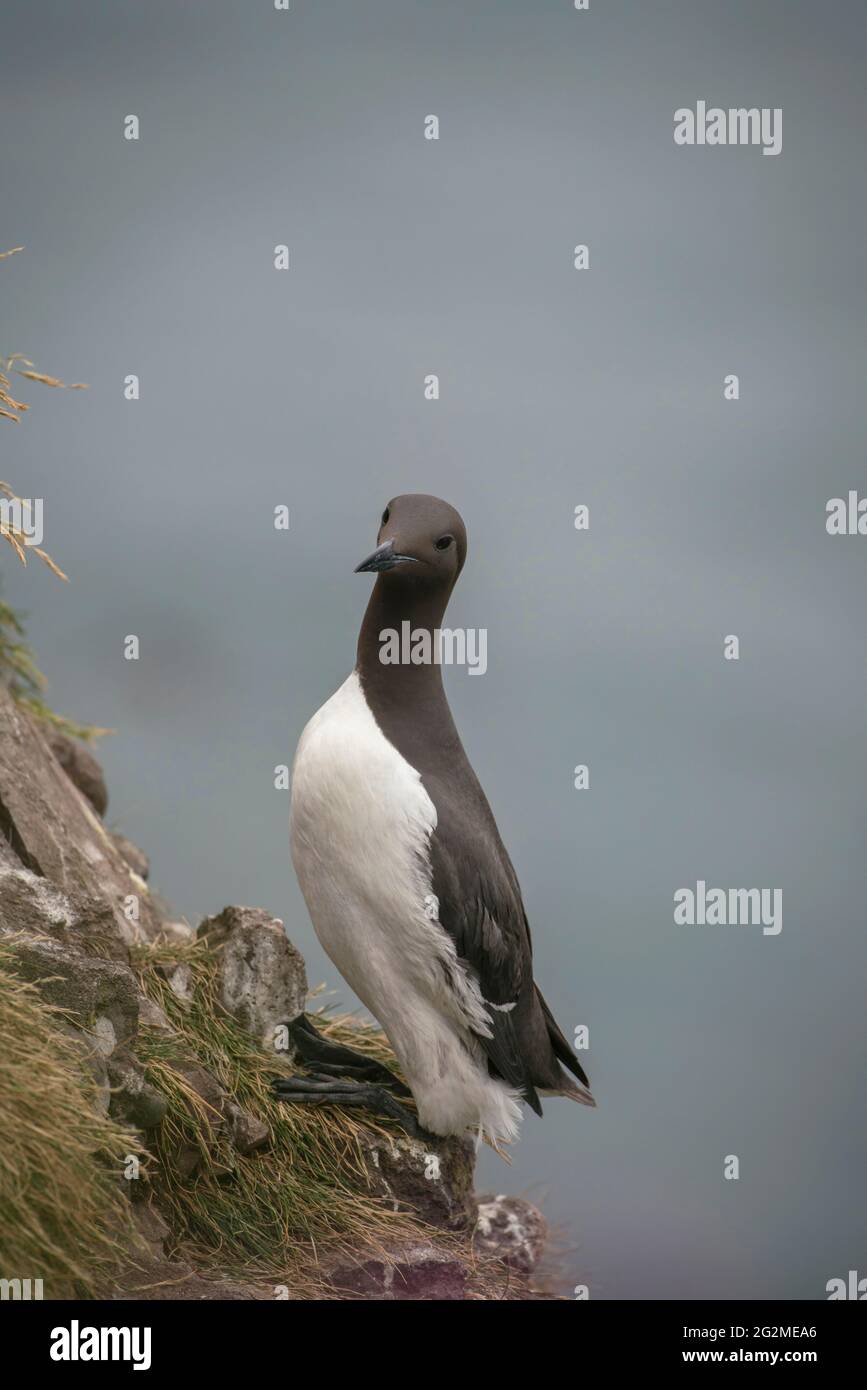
x=384 y=557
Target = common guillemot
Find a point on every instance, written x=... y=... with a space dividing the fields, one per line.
x=408 y=884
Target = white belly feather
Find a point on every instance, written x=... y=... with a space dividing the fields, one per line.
x=361 y=826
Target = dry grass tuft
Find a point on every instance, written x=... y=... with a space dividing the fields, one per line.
x=11 y=408
x=18 y=536
x=267 y=1213
x=64 y=1215
x=264 y=1219
x=17 y=666
x=270 y=1215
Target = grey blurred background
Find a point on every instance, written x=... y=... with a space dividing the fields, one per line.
x=558 y=387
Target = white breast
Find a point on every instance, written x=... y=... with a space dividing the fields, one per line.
x=361 y=824
x=361 y=827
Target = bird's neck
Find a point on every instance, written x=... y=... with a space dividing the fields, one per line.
x=401 y=620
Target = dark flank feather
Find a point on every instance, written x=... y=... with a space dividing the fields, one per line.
x=480 y=907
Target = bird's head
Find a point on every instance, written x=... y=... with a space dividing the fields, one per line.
x=421 y=541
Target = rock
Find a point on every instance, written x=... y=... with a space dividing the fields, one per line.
x=104 y=1036
x=153 y=1275
x=436 y=1183
x=179 y=933
x=54 y=831
x=90 y=988
x=223 y=1119
x=414 y=1272
x=133 y=1098
x=135 y=857
x=180 y=980
x=151 y=1015
x=212 y=1126
x=93 y=1061
x=247 y=1132
x=263 y=982
x=187 y=1161
x=154 y=1230
x=511 y=1230
x=81 y=767
x=173 y=1281
x=8 y=858
x=223 y=1113
x=33 y=905
x=207 y=1088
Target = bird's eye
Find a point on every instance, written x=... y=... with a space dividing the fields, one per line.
x=444 y=542
x=385 y=516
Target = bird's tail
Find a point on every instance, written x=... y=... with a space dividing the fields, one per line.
x=578 y=1090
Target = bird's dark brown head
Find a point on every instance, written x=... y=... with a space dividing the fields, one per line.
x=421 y=541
